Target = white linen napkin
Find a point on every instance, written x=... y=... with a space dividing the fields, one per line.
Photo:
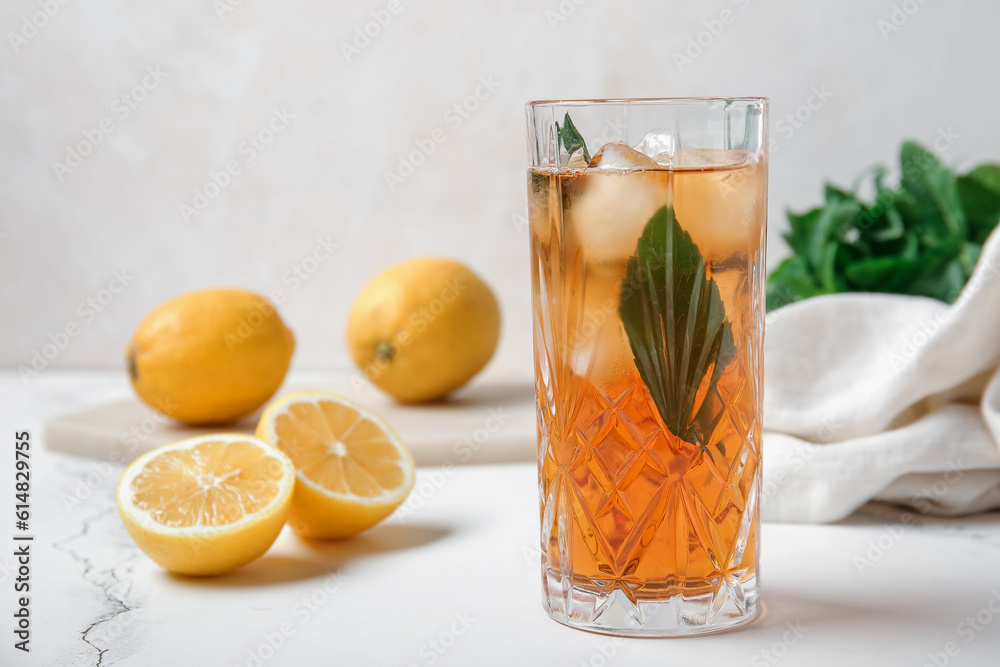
x=884 y=397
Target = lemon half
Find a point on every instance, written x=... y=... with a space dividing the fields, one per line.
x=206 y=505
x=352 y=469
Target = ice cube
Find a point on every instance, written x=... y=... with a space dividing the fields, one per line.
x=598 y=347
x=720 y=207
x=605 y=359
x=576 y=160
x=610 y=214
x=621 y=157
x=658 y=145
x=700 y=158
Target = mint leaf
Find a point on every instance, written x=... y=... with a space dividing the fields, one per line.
x=979 y=191
x=827 y=237
x=931 y=198
x=676 y=325
x=571 y=139
x=869 y=274
x=791 y=281
x=969 y=256
x=882 y=217
x=800 y=231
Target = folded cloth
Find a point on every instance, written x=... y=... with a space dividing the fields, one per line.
x=884 y=397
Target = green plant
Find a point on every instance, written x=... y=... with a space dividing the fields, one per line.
x=921 y=237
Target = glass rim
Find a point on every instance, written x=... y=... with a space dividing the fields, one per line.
x=642 y=100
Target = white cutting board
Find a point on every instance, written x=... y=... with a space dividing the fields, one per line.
x=488 y=422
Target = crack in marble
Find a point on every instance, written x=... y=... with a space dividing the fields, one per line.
x=87 y=571
x=100 y=652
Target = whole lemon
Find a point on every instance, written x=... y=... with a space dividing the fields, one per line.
x=423 y=328
x=210 y=356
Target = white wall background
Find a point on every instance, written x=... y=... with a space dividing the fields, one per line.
x=323 y=175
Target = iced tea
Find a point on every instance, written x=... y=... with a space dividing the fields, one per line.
x=647 y=293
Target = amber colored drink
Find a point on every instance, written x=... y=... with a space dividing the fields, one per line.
x=647 y=528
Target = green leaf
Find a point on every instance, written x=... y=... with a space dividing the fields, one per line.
x=676 y=325
x=791 y=281
x=923 y=237
x=979 y=191
x=911 y=245
x=945 y=283
x=931 y=195
x=834 y=194
x=800 y=230
x=876 y=273
x=969 y=255
x=894 y=229
x=828 y=233
x=933 y=272
x=881 y=221
x=571 y=139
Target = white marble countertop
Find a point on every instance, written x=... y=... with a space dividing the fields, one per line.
x=456 y=582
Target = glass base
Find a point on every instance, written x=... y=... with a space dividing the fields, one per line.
x=732 y=605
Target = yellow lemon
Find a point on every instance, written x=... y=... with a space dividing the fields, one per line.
x=211 y=356
x=423 y=328
x=206 y=505
x=351 y=469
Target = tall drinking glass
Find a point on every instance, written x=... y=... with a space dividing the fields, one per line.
x=647 y=264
